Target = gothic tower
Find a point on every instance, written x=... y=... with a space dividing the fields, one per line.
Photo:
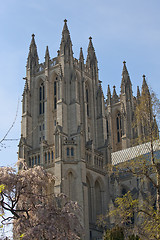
x=64 y=126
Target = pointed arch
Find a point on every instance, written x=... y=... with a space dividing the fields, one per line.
x=119 y=127
x=90 y=204
x=87 y=98
x=70 y=177
x=99 y=188
x=98 y=198
x=55 y=89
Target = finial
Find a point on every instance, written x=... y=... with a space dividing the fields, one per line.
x=144 y=76
x=138 y=92
x=33 y=35
x=81 y=54
x=108 y=92
x=90 y=38
x=124 y=62
x=47 y=52
x=65 y=20
x=114 y=87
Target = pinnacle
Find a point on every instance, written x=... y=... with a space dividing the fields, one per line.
x=138 y=91
x=125 y=75
x=81 y=54
x=91 y=56
x=33 y=40
x=47 y=52
x=124 y=67
x=66 y=40
x=114 y=91
x=109 y=91
x=90 y=46
x=145 y=88
x=144 y=80
x=65 y=27
x=33 y=51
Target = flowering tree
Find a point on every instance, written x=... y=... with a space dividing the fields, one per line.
x=34 y=210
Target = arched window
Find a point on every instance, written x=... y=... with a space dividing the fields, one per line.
x=35 y=160
x=52 y=156
x=67 y=151
x=48 y=157
x=72 y=151
x=55 y=93
x=29 y=162
x=32 y=161
x=55 y=103
x=55 y=89
x=119 y=127
x=41 y=98
x=71 y=186
x=98 y=198
x=39 y=160
x=24 y=104
x=89 y=200
x=45 y=158
x=87 y=101
x=107 y=127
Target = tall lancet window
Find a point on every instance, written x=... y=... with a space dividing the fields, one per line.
x=55 y=94
x=41 y=98
x=71 y=186
x=24 y=104
x=87 y=101
x=98 y=198
x=119 y=127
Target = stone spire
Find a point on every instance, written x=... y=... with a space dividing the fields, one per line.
x=114 y=91
x=108 y=91
x=47 y=53
x=33 y=60
x=125 y=76
x=115 y=96
x=145 y=88
x=109 y=96
x=66 y=43
x=81 y=59
x=91 y=56
x=126 y=85
x=138 y=92
x=47 y=57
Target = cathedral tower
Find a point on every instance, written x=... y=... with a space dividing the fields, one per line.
x=64 y=126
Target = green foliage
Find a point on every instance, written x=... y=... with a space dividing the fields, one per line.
x=115 y=233
x=125 y=207
x=133 y=237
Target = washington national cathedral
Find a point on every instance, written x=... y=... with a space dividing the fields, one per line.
x=71 y=129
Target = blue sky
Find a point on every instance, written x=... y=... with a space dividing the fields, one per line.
x=121 y=30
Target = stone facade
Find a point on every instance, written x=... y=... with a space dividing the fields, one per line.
x=71 y=129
